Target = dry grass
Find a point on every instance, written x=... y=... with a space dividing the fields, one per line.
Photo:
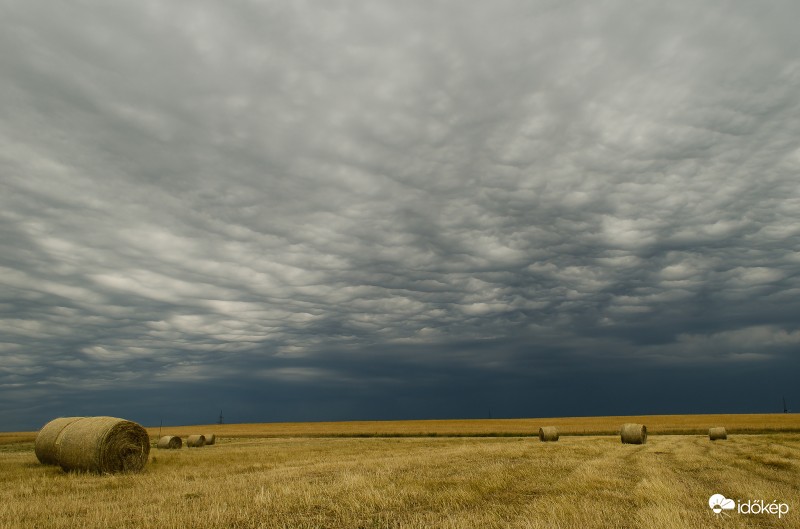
x=17 y=437
x=656 y=424
x=579 y=482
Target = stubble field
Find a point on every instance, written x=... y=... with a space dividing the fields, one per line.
x=582 y=481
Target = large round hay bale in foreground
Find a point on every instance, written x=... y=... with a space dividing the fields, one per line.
x=716 y=434
x=195 y=441
x=210 y=438
x=103 y=445
x=170 y=442
x=548 y=433
x=45 y=446
x=634 y=434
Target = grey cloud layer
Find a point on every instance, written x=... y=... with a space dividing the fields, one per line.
x=192 y=191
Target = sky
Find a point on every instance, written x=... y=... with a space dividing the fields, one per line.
x=345 y=210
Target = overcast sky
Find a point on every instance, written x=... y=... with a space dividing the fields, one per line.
x=340 y=210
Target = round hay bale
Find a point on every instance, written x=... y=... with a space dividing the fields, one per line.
x=548 y=433
x=170 y=442
x=45 y=446
x=210 y=438
x=717 y=433
x=635 y=434
x=103 y=445
x=195 y=441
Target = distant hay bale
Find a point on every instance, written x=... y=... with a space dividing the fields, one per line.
x=169 y=442
x=210 y=438
x=548 y=433
x=717 y=433
x=45 y=446
x=195 y=441
x=635 y=434
x=103 y=445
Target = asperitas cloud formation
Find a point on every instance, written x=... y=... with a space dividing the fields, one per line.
x=338 y=210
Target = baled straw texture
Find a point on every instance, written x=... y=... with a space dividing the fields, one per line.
x=548 y=433
x=170 y=442
x=45 y=446
x=195 y=441
x=635 y=434
x=718 y=433
x=103 y=445
x=210 y=438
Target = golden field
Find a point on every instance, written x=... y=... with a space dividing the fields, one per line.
x=581 y=481
x=656 y=424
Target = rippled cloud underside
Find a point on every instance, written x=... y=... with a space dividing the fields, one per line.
x=343 y=210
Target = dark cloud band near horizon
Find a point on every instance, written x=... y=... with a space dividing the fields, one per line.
x=332 y=210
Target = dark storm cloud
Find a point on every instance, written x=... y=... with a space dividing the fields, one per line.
x=424 y=200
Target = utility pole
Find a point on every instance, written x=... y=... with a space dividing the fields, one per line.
x=220 y=417
x=785 y=409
